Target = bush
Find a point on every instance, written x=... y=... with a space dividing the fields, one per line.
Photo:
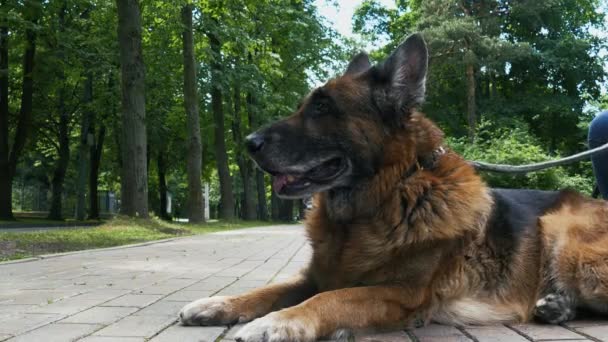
x=515 y=146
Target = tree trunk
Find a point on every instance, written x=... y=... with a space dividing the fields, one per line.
x=162 y=186
x=248 y=206
x=261 y=191
x=195 y=190
x=95 y=155
x=63 y=151
x=471 y=105
x=56 y=211
x=7 y=168
x=257 y=174
x=274 y=205
x=6 y=190
x=84 y=148
x=134 y=181
x=221 y=157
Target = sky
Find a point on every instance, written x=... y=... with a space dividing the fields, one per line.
x=340 y=12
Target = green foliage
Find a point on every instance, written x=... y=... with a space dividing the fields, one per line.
x=515 y=146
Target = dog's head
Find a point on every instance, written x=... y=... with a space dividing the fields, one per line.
x=337 y=134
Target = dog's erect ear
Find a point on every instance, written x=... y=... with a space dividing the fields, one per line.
x=405 y=69
x=358 y=64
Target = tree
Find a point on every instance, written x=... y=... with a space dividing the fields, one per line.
x=10 y=156
x=221 y=157
x=134 y=180
x=510 y=62
x=63 y=131
x=195 y=194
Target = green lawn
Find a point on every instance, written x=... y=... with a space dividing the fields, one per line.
x=116 y=232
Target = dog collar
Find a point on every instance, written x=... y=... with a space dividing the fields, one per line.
x=427 y=162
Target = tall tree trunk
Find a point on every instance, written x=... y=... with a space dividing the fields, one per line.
x=195 y=190
x=248 y=207
x=5 y=178
x=134 y=180
x=471 y=108
x=162 y=185
x=97 y=151
x=471 y=105
x=275 y=208
x=221 y=157
x=86 y=133
x=95 y=155
x=256 y=174
x=9 y=159
x=261 y=191
x=63 y=151
x=56 y=210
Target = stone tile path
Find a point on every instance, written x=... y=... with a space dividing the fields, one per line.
x=134 y=294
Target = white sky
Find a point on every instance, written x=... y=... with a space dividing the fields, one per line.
x=340 y=13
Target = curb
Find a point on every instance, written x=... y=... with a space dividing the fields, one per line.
x=57 y=255
x=10 y=226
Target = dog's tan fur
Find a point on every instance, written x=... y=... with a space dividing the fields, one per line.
x=413 y=245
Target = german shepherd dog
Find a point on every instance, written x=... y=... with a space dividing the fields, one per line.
x=403 y=230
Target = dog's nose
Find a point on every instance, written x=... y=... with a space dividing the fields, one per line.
x=254 y=142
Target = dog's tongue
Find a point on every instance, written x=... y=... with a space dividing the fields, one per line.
x=279 y=182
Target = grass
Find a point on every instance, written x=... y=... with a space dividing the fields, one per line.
x=115 y=232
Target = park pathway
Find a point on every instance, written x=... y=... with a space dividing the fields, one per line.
x=134 y=294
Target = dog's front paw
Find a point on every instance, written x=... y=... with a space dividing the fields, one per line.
x=276 y=327
x=220 y=310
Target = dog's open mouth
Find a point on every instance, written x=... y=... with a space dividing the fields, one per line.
x=293 y=184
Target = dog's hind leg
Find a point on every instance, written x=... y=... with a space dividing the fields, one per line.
x=576 y=240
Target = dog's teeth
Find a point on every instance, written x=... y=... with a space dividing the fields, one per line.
x=307 y=184
x=291 y=178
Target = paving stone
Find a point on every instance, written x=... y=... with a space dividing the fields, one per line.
x=497 y=333
x=188 y=296
x=103 y=294
x=57 y=333
x=212 y=284
x=440 y=333
x=68 y=306
x=9 y=310
x=137 y=326
x=598 y=331
x=100 y=315
x=586 y=323
x=167 y=287
x=162 y=308
x=397 y=336
x=178 y=333
x=26 y=322
x=546 y=332
x=133 y=300
x=111 y=339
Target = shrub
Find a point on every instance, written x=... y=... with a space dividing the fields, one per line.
x=515 y=146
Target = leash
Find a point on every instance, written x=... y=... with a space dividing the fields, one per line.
x=504 y=168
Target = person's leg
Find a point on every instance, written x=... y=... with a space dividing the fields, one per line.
x=598 y=135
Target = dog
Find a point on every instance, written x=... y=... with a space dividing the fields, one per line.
x=403 y=230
